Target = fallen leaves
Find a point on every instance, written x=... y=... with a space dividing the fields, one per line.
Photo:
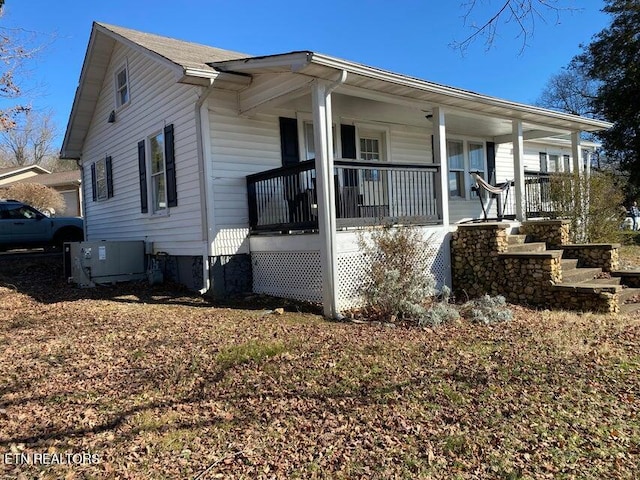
x=161 y=385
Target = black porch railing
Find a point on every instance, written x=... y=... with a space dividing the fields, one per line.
x=537 y=194
x=539 y=201
x=366 y=193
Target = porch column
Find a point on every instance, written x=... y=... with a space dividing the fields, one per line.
x=321 y=105
x=581 y=189
x=518 y=160
x=440 y=156
x=576 y=152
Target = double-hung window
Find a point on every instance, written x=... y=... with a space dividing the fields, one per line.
x=455 y=157
x=158 y=173
x=157 y=170
x=101 y=179
x=122 y=86
x=543 y=161
x=464 y=157
x=476 y=161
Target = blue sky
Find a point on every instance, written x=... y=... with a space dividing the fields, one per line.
x=411 y=37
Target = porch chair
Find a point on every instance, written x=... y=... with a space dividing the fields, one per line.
x=494 y=190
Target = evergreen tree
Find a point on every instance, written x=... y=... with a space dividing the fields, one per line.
x=613 y=60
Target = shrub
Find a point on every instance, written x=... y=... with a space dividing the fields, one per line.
x=397 y=281
x=487 y=310
x=591 y=204
x=38 y=196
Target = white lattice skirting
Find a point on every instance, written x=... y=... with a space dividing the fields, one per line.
x=290 y=267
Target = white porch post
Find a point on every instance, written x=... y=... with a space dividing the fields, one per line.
x=321 y=105
x=440 y=156
x=518 y=160
x=576 y=152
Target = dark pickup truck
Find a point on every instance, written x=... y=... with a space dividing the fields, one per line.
x=22 y=226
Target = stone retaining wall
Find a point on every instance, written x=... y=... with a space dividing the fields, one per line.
x=553 y=232
x=482 y=265
x=474 y=250
x=528 y=278
x=595 y=255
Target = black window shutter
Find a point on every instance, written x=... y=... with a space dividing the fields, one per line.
x=109 y=177
x=491 y=162
x=348 y=143
x=348 y=135
x=94 y=192
x=170 y=167
x=142 y=169
x=289 y=141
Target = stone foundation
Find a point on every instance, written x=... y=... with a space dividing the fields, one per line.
x=230 y=275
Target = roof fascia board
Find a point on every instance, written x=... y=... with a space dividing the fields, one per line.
x=23 y=169
x=292 y=62
x=370 y=72
x=64 y=153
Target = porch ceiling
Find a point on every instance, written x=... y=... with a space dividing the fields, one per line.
x=466 y=112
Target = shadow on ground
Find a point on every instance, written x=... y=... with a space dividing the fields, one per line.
x=41 y=276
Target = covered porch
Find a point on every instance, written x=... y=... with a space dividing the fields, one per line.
x=374 y=147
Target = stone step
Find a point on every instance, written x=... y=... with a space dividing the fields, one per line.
x=569 y=264
x=627 y=293
x=516 y=239
x=605 y=281
x=580 y=275
x=527 y=247
x=631 y=278
x=629 y=308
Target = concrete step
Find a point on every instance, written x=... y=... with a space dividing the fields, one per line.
x=580 y=275
x=516 y=239
x=568 y=264
x=527 y=247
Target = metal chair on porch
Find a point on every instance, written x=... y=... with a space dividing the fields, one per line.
x=493 y=190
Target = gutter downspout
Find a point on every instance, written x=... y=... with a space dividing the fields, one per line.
x=82 y=194
x=203 y=176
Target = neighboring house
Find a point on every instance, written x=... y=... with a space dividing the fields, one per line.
x=255 y=172
x=66 y=183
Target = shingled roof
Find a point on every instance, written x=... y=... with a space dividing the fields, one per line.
x=188 y=55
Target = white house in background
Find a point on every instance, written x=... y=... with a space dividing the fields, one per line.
x=257 y=172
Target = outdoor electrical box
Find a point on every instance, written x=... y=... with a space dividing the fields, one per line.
x=104 y=262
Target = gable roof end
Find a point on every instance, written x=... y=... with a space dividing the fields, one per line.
x=187 y=60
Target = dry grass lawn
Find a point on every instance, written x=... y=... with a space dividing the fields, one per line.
x=159 y=384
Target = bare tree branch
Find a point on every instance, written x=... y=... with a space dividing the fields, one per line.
x=524 y=13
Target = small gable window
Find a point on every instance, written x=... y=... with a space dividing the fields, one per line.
x=122 y=87
x=101 y=179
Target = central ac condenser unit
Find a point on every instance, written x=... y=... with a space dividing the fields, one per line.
x=104 y=262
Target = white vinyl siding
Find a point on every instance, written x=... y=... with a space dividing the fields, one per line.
x=158 y=99
x=239 y=146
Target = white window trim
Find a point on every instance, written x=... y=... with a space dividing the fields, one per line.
x=466 y=178
x=124 y=66
x=363 y=128
x=164 y=212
